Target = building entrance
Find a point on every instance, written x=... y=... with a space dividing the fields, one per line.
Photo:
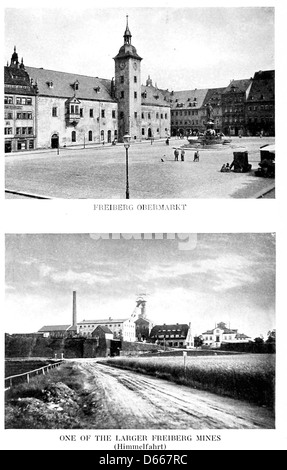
x=8 y=147
x=54 y=141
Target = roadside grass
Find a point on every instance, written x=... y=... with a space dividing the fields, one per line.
x=68 y=374
x=245 y=377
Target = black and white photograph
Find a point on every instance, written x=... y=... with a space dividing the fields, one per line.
x=140 y=331
x=139 y=102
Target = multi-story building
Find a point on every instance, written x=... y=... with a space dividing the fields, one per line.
x=185 y=111
x=123 y=329
x=233 y=106
x=260 y=104
x=173 y=336
x=221 y=334
x=19 y=107
x=66 y=109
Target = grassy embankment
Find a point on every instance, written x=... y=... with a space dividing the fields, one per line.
x=51 y=401
x=246 y=377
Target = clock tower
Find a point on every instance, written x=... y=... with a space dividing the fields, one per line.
x=128 y=89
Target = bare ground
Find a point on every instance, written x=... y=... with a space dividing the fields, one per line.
x=112 y=398
x=128 y=400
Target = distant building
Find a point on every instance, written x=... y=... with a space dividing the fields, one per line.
x=233 y=106
x=185 y=111
x=260 y=104
x=221 y=334
x=123 y=329
x=213 y=98
x=174 y=336
x=58 y=331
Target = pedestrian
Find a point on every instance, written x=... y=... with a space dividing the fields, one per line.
x=182 y=153
x=176 y=154
x=196 y=156
x=167 y=141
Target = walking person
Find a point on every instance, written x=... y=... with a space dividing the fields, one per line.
x=196 y=156
x=182 y=153
x=176 y=154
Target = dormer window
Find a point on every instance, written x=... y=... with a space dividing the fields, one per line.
x=50 y=84
x=97 y=89
x=76 y=85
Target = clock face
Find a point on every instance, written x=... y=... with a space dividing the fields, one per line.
x=122 y=65
x=135 y=65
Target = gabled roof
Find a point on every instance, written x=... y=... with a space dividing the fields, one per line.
x=105 y=329
x=48 y=328
x=237 y=86
x=213 y=96
x=153 y=96
x=263 y=86
x=90 y=88
x=192 y=99
x=17 y=80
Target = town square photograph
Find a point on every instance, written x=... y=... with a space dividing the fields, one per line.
x=140 y=331
x=139 y=102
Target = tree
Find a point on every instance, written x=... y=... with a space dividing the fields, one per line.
x=198 y=341
x=271 y=336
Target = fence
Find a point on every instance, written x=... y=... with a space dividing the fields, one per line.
x=26 y=376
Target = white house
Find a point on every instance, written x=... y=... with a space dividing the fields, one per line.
x=221 y=334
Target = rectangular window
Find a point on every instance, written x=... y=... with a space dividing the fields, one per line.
x=81 y=112
x=161 y=116
x=103 y=113
x=148 y=116
x=157 y=115
x=135 y=79
x=76 y=109
x=91 y=113
x=135 y=95
x=113 y=114
x=136 y=115
x=143 y=131
x=30 y=130
x=121 y=115
x=31 y=144
x=122 y=79
x=55 y=109
x=8 y=100
x=8 y=116
x=7 y=130
x=122 y=94
x=142 y=115
x=165 y=116
x=18 y=130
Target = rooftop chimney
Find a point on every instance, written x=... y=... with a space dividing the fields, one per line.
x=74 y=308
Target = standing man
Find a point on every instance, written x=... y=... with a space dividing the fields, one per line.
x=176 y=154
x=182 y=153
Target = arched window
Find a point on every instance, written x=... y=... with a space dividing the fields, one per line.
x=90 y=136
x=73 y=136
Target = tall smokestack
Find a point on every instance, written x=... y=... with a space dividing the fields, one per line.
x=74 y=308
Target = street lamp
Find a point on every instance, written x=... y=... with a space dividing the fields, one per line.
x=127 y=140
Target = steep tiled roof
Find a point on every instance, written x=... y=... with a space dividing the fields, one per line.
x=213 y=96
x=105 y=329
x=239 y=86
x=188 y=98
x=17 y=80
x=90 y=88
x=263 y=86
x=153 y=96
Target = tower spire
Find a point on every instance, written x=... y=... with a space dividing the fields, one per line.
x=127 y=35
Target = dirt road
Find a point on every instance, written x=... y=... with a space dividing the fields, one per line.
x=126 y=400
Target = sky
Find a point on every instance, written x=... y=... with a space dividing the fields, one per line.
x=199 y=278
x=182 y=48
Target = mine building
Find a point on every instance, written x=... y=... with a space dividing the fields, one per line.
x=174 y=336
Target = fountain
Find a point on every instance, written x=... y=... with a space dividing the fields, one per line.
x=209 y=137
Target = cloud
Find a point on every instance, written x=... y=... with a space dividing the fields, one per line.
x=71 y=276
x=222 y=273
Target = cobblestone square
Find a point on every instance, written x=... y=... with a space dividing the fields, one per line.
x=100 y=172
